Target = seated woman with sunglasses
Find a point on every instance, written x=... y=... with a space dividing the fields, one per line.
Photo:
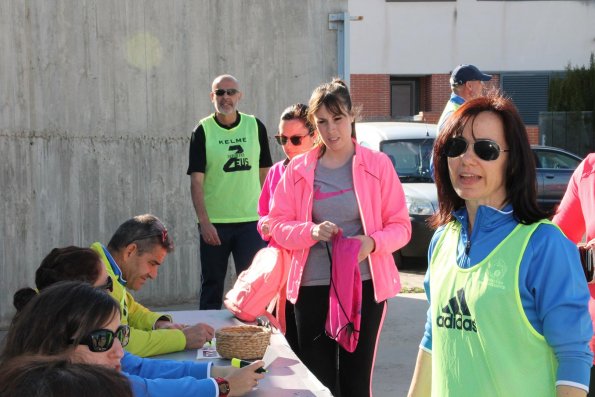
x=508 y=302
x=150 y=377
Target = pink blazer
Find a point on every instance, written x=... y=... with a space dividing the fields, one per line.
x=382 y=209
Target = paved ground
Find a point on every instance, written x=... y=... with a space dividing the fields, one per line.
x=399 y=341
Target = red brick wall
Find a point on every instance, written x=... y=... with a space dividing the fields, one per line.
x=533 y=132
x=371 y=92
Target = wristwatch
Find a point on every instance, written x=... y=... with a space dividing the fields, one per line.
x=223 y=387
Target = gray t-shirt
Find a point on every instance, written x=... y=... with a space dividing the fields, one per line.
x=334 y=201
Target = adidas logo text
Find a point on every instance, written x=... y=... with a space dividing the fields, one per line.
x=456 y=314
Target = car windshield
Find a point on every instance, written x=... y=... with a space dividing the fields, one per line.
x=411 y=158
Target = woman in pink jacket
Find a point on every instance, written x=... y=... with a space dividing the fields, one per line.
x=339 y=185
x=576 y=217
x=296 y=136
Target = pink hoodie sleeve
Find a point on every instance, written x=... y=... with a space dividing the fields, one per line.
x=287 y=227
x=395 y=230
x=569 y=216
x=263 y=203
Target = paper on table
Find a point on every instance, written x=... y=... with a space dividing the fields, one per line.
x=208 y=351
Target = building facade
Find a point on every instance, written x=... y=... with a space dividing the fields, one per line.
x=402 y=52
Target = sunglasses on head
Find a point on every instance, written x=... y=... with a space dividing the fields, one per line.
x=296 y=140
x=109 y=284
x=229 y=91
x=102 y=340
x=485 y=149
x=162 y=236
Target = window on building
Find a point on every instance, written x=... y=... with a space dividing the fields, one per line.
x=529 y=92
x=404 y=97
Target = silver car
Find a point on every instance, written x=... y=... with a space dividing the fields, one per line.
x=554 y=169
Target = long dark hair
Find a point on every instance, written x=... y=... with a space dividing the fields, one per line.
x=61 y=264
x=61 y=312
x=521 y=180
x=42 y=376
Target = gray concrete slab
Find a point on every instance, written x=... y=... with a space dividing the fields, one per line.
x=399 y=342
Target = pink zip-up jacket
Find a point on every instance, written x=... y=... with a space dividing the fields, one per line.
x=576 y=215
x=382 y=209
x=265 y=202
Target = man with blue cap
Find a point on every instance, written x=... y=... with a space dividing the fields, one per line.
x=466 y=82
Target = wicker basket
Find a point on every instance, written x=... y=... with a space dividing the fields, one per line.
x=246 y=342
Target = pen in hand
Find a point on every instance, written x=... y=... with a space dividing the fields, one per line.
x=236 y=362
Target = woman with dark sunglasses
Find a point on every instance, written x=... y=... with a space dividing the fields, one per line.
x=84 y=325
x=296 y=136
x=508 y=302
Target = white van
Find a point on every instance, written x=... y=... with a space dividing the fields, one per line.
x=409 y=146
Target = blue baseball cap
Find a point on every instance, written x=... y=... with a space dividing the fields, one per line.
x=464 y=73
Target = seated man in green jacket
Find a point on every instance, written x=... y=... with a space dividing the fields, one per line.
x=134 y=254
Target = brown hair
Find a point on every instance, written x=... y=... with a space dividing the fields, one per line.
x=61 y=264
x=298 y=111
x=42 y=376
x=336 y=98
x=61 y=312
x=520 y=174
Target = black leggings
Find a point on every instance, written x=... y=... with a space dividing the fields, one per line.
x=592 y=383
x=319 y=352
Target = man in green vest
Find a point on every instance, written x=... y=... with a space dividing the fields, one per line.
x=133 y=255
x=228 y=161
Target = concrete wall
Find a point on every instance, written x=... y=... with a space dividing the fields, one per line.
x=418 y=38
x=97 y=103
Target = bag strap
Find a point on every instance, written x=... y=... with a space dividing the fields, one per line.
x=350 y=323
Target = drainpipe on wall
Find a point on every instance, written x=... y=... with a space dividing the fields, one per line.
x=337 y=22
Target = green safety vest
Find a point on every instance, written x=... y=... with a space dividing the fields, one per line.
x=482 y=342
x=232 y=175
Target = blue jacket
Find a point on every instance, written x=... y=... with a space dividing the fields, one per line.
x=153 y=377
x=552 y=286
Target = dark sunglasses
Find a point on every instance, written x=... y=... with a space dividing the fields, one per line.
x=109 y=285
x=296 y=140
x=229 y=91
x=102 y=340
x=485 y=149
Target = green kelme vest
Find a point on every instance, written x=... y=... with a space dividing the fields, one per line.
x=232 y=181
x=482 y=342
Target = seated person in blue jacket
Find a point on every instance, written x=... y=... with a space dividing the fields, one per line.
x=508 y=299
x=134 y=254
x=82 y=322
x=83 y=264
